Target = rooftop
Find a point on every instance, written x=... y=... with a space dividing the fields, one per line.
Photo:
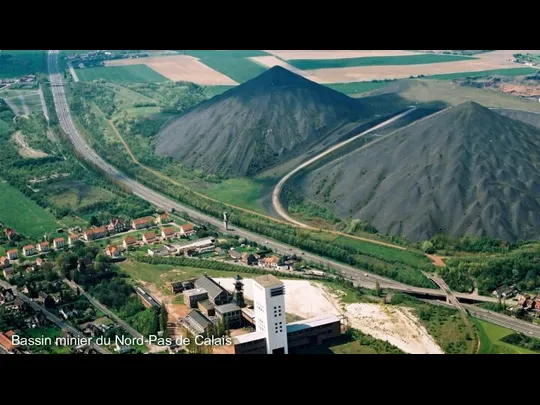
x=248 y=337
x=208 y=284
x=311 y=323
x=268 y=281
x=195 y=291
x=206 y=304
x=227 y=308
x=199 y=243
x=199 y=319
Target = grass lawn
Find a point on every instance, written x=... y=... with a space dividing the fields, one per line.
x=310 y=64
x=2 y=250
x=490 y=339
x=357 y=87
x=239 y=69
x=159 y=274
x=131 y=73
x=125 y=97
x=500 y=72
x=80 y=197
x=53 y=333
x=358 y=343
x=24 y=215
x=383 y=252
x=241 y=192
x=19 y=63
x=134 y=112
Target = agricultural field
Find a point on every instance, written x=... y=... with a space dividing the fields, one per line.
x=138 y=73
x=178 y=68
x=19 y=63
x=239 y=53
x=238 y=69
x=490 y=339
x=24 y=215
x=336 y=54
x=421 y=59
x=493 y=72
x=426 y=91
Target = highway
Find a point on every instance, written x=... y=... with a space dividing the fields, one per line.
x=505 y=321
x=51 y=317
x=359 y=277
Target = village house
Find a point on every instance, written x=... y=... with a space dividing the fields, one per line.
x=43 y=246
x=19 y=304
x=12 y=254
x=112 y=251
x=235 y=255
x=29 y=250
x=95 y=233
x=116 y=225
x=59 y=243
x=5 y=341
x=8 y=272
x=48 y=301
x=249 y=259
x=149 y=238
x=72 y=238
x=269 y=262
x=10 y=233
x=141 y=223
x=6 y=296
x=4 y=261
x=167 y=233
x=129 y=241
x=187 y=230
x=39 y=261
x=163 y=219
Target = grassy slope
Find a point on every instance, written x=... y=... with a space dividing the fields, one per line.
x=490 y=339
x=310 y=64
x=357 y=87
x=23 y=214
x=132 y=73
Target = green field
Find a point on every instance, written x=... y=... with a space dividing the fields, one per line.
x=490 y=339
x=24 y=215
x=132 y=73
x=2 y=250
x=238 y=53
x=79 y=197
x=19 y=63
x=494 y=72
x=239 y=69
x=357 y=87
x=241 y=192
x=159 y=274
x=310 y=64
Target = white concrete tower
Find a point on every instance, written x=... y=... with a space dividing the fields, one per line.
x=269 y=297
